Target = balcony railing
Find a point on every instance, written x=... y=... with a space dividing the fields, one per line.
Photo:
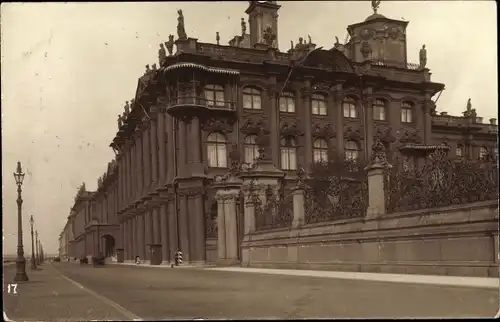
x=202 y=102
x=397 y=64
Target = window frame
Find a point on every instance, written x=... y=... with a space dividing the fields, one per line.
x=354 y=150
x=380 y=106
x=406 y=110
x=319 y=99
x=216 y=91
x=215 y=145
x=250 y=146
x=288 y=146
x=320 y=150
x=252 y=93
x=287 y=98
x=351 y=104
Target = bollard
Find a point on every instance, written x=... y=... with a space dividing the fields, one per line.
x=178 y=258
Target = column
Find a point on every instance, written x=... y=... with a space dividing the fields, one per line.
x=275 y=126
x=221 y=228
x=130 y=239
x=231 y=228
x=368 y=126
x=156 y=226
x=162 y=147
x=164 y=237
x=306 y=109
x=148 y=227
x=141 y=236
x=339 y=121
x=196 y=228
x=146 y=160
x=170 y=171
x=181 y=149
x=154 y=152
x=134 y=237
x=194 y=139
x=133 y=176
x=427 y=119
x=183 y=227
x=173 y=238
x=139 y=166
x=126 y=249
x=394 y=122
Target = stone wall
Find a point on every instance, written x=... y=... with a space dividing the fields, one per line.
x=457 y=240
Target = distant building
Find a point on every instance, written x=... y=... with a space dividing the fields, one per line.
x=207 y=104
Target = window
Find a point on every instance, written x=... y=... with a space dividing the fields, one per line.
x=251 y=148
x=483 y=152
x=288 y=154
x=251 y=98
x=214 y=94
x=351 y=150
x=318 y=104
x=459 y=152
x=379 y=110
x=217 y=150
x=287 y=103
x=349 y=106
x=320 y=150
x=406 y=116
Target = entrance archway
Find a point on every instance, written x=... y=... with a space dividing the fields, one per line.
x=109 y=246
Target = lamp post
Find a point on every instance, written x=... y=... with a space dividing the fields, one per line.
x=33 y=261
x=21 y=275
x=37 y=245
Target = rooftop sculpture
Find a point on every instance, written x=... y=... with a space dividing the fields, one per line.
x=181 y=31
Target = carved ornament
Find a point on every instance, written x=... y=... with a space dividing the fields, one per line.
x=254 y=126
x=326 y=132
x=410 y=137
x=352 y=134
x=290 y=128
x=218 y=125
x=383 y=133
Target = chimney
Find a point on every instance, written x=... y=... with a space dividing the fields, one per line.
x=493 y=121
x=444 y=113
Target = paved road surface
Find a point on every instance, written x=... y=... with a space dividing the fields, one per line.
x=154 y=293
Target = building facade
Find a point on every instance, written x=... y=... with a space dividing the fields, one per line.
x=206 y=106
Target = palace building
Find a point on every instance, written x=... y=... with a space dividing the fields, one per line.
x=205 y=105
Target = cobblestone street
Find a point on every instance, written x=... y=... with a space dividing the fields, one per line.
x=126 y=292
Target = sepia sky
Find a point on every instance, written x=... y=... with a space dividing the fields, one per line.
x=68 y=68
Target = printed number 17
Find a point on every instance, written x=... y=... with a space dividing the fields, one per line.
x=12 y=288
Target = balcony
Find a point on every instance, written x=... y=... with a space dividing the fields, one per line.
x=196 y=104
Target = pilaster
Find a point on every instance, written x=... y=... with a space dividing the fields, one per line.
x=339 y=120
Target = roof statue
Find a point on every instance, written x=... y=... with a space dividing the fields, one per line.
x=469 y=112
x=243 y=27
x=170 y=44
x=181 y=31
x=423 y=57
x=337 y=42
x=217 y=37
x=119 y=121
x=127 y=108
x=162 y=53
x=147 y=69
x=153 y=67
x=375 y=5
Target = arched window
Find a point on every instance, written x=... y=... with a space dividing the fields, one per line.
x=459 y=151
x=251 y=148
x=287 y=103
x=406 y=116
x=214 y=94
x=320 y=150
x=217 y=150
x=318 y=104
x=349 y=107
x=351 y=150
x=379 y=110
x=288 y=153
x=251 y=98
x=483 y=152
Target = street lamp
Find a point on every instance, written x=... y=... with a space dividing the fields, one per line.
x=21 y=275
x=37 y=245
x=33 y=262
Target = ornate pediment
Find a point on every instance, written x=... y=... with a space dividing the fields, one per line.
x=322 y=131
x=352 y=134
x=329 y=59
x=383 y=133
x=410 y=137
x=218 y=125
x=254 y=126
x=290 y=128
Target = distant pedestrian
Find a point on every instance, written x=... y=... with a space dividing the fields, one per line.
x=137 y=259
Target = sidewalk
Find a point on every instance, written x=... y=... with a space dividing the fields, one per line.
x=480 y=282
x=50 y=296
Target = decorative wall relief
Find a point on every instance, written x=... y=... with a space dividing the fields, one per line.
x=289 y=127
x=254 y=126
x=351 y=133
x=383 y=133
x=322 y=131
x=218 y=125
x=410 y=136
